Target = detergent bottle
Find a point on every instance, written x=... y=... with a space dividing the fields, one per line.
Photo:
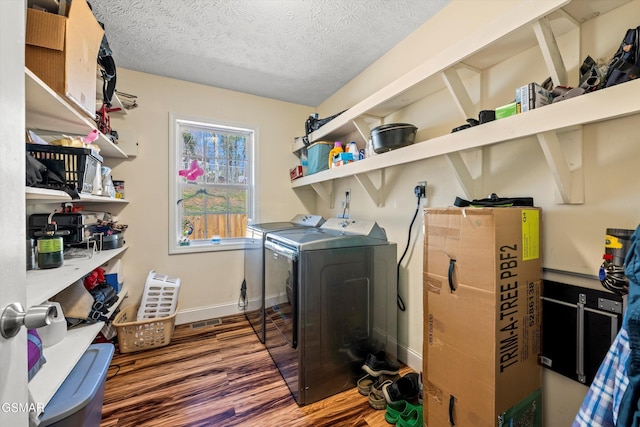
x=353 y=149
x=336 y=150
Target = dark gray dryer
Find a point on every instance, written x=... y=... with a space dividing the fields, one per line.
x=253 y=284
x=331 y=300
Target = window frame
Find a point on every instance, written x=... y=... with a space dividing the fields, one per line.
x=176 y=121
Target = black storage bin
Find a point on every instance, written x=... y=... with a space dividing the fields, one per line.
x=80 y=165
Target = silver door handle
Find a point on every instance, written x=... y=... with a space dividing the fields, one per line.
x=14 y=317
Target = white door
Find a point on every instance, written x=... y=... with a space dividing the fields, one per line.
x=13 y=351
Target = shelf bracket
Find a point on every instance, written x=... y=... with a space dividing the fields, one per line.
x=325 y=191
x=375 y=193
x=459 y=92
x=565 y=161
x=469 y=172
x=363 y=128
x=550 y=52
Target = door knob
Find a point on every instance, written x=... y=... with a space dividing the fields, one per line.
x=14 y=316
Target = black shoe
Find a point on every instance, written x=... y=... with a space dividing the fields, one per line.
x=406 y=388
x=378 y=364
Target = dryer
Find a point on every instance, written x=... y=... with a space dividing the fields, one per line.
x=252 y=289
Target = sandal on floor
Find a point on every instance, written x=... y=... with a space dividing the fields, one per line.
x=376 y=397
x=413 y=418
x=406 y=388
x=396 y=410
x=377 y=402
x=365 y=383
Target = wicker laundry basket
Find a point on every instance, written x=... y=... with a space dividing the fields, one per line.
x=137 y=335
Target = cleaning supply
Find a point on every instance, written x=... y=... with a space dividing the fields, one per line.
x=304 y=162
x=353 y=149
x=335 y=151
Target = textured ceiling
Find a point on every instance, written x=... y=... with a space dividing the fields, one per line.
x=300 y=51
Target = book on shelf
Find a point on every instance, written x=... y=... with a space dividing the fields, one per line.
x=531 y=96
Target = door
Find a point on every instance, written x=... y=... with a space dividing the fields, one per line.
x=13 y=351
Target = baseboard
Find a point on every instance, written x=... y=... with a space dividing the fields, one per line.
x=199 y=314
x=410 y=358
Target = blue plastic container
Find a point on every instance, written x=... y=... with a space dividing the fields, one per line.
x=318 y=156
x=78 y=401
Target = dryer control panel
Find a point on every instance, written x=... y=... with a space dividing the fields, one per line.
x=355 y=226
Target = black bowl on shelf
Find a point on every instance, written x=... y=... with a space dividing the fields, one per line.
x=391 y=136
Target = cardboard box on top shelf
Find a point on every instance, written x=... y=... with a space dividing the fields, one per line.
x=482 y=313
x=63 y=52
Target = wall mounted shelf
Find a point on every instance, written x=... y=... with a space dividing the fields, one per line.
x=49 y=113
x=524 y=26
x=605 y=104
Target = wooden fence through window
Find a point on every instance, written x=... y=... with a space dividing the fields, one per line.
x=223 y=225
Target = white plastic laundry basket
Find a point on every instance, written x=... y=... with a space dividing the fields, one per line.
x=160 y=297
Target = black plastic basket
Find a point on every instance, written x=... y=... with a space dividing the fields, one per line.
x=80 y=165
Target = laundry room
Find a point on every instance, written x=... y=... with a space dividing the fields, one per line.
x=318 y=213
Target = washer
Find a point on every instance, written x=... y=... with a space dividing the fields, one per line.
x=252 y=290
x=330 y=301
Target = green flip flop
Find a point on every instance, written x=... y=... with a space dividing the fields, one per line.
x=413 y=418
x=398 y=409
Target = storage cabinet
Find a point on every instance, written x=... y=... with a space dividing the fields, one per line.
x=49 y=113
x=524 y=26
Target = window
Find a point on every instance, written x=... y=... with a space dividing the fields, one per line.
x=211 y=185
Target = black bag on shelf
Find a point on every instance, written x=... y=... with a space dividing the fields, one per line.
x=314 y=123
x=47 y=173
x=625 y=64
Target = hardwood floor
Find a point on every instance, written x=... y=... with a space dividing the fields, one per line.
x=218 y=375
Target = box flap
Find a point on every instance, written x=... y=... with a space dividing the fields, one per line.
x=84 y=36
x=45 y=30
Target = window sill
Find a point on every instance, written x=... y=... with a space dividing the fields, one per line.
x=196 y=246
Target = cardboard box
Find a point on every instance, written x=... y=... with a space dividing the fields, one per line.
x=506 y=110
x=295 y=172
x=482 y=287
x=63 y=52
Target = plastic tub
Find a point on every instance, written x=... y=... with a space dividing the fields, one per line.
x=78 y=401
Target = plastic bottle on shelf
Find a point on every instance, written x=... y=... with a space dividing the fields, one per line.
x=353 y=149
x=370 y=151
x=337 y=149
x=304 y=162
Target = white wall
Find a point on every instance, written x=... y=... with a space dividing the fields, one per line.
x=210 y=282
x=573 y=235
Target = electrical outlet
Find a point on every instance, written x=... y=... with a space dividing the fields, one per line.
x=420 y=190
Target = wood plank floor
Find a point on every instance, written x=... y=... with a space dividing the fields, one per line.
x=218 y=375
